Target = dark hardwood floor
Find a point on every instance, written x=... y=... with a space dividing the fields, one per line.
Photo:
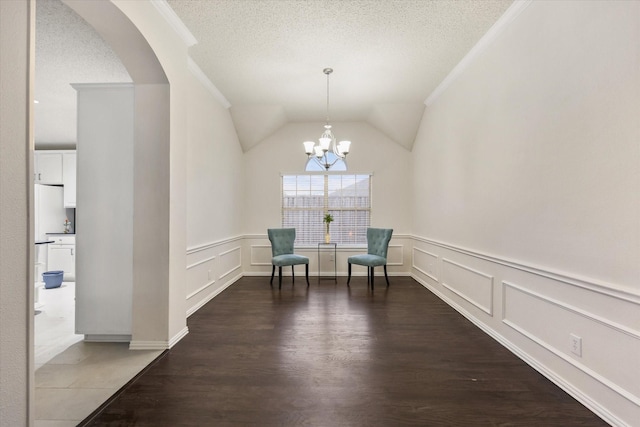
x=328 y=355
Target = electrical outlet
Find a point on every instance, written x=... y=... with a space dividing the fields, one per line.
x=575 y=344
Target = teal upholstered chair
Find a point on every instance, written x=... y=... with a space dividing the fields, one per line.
x=377 y=246
x=282 y=253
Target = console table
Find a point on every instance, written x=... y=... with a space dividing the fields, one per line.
x=328 y=247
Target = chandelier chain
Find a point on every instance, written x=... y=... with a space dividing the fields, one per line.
x=327 y=71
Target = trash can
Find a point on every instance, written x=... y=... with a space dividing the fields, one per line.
x=52 y=279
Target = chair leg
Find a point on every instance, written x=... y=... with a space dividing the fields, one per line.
x=306 y=273
x=293 y=275
x=349 y=278
x=273 y=270
x=279 y=277
x=385 y=275
x=372 y=276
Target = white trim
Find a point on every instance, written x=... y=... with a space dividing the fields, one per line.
x=592 y=405
x=394 y=237
x=510 y=14
x=589 y=284
x=251 y=252
x=213 y=295
x=633 y=333
x=413 y=264
x=231 y=270
x=205 y=246
x=202 y=77
x=401 y=263
x=159 y=345
x=195 y=264
x=239 y=266
x=488 y=310
x=106 y=338
x=237 y=248
x=379 y=273
x=200 y=289
x=177 y=337
x=174 y=22
x=602 y=380
x=464 y=267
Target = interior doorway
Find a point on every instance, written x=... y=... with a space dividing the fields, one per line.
x=60 y=388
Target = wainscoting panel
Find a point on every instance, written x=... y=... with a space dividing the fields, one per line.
x=257 y=251
x=230 y=261
x=211 y=268
x=534 y=313
x=426 y=263
x=200 y=275
x=472 y=285
x=260 y=255
x=395 y=255
x=600 y=338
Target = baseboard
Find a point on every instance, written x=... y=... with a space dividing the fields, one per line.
x=589 y=403
x=177 y=337
x=324 y=274
x=212 y=295
x=106 y=338
x=159 y=345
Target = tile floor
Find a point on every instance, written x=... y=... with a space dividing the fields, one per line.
x=73 y=377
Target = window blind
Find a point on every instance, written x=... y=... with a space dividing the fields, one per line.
x=347 y=197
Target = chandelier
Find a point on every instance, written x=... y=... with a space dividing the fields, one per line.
x=327 y=142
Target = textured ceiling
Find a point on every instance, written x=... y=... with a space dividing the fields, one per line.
x=68 y=50
x=266 y=57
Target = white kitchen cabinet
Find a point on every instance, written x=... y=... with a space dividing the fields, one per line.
x=61 y=255
x=48 y=167
x=69 y=179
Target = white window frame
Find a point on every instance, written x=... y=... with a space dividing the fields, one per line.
x=310 y=229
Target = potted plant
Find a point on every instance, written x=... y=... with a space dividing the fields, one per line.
x=327 y=219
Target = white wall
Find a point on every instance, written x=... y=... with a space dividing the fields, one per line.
x=214 y=175
x=283 y=153
x=16 y=224
x=371 y=152
x=214 y=198
x=527 y=196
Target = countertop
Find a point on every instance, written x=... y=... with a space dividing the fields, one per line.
x=44 y=242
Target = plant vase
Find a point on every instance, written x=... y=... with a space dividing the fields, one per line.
x=328 y=218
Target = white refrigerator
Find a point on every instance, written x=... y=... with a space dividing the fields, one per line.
x=50 y=213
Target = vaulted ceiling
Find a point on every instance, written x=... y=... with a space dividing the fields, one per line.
x=266 y=58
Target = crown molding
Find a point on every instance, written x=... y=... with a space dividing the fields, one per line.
x=175 y=22
x=509 y=15
x=202 y=77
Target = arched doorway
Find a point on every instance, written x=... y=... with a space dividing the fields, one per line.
x=151 y=171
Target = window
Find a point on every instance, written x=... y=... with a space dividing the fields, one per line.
x=306 y=198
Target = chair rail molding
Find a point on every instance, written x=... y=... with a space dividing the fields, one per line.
x=570 y=279
x=534 y=311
